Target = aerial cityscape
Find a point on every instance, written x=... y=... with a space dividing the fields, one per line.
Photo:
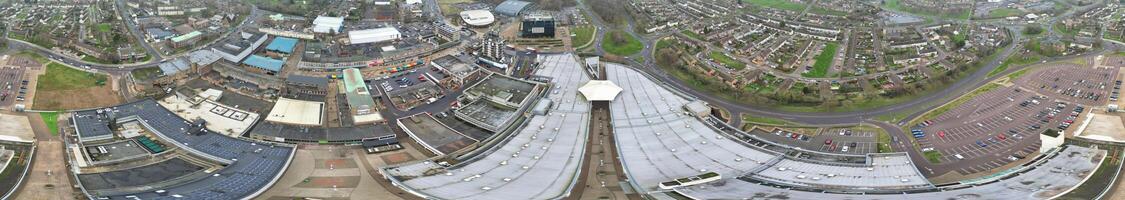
x=562 y=99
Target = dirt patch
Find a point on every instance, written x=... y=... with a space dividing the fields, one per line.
x=1105 y=127
x=100 y=96
x=396 y=158
x=336 y=164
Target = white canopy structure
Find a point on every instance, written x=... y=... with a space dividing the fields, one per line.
x=597 y=90
x=325 y=24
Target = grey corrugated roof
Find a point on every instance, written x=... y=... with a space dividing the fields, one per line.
x=511 y=7
x=307 y=80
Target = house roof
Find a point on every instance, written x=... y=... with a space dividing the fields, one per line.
x=264 y=63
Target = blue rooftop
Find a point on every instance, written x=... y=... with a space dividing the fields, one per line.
x=264 y=63
x=282 y=44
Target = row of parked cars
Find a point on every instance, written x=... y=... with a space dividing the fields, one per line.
x=8 y=91
x=1116 y=91
x=792 y=135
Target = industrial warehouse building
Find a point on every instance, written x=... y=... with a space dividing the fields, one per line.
x=374 y=35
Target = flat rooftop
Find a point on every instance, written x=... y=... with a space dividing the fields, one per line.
x=122 y=149
x=433 y=135
x=540 y=161
x=296 y=112
x=223 y=119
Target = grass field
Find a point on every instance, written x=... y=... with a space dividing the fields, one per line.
x=746 y=118
x=1003 y=12
x=447 y=6
x=692 y=34
x=105 y=27
x=34 y=56
x=1015 y=75
x=146 y=73
x=583 y=35
x=883 y=140
x=823 y=61
x=777 y=4
x=628 y=46
x=933 y=156
x=59 y=77
x=895 y=5
x=1015 y=60
x=729 y=62
x=52 y=121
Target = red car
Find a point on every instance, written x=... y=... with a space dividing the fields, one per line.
x=1001 y=136
x=828 y=142
x=941 y=134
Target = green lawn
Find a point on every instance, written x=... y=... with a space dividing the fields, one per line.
x=823 y=61
x=34 y=56
x=1015 y=60
x=692 y=34
x=146 y=73
x=933 y=156
x=59 y=77
x=105 y=27
x=746 y=118
x=1003 y=12
x=777 y=4
x=894 y=5
x=52 y=121
x=627 y=45
x=729 y=62
x=582 y=35
x=1015 y=75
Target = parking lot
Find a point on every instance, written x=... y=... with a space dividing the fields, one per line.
x=988 y=131
x=831 y=140
x=1072 y=83
x=14 y=85
x=1003 y=126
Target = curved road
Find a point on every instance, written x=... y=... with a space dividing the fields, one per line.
x=929 y=101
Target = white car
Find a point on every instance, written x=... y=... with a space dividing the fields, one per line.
x=845 y=149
